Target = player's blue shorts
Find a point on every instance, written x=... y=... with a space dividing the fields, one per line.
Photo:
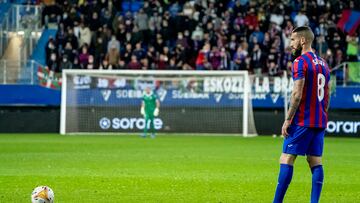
x=304 y=141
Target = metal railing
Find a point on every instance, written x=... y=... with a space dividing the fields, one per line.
x=18 y=72
x=342 y=70
x=23 y=20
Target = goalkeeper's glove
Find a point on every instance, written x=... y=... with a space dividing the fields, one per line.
x=142 y=111
x=156 y=112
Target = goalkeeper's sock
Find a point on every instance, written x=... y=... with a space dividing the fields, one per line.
x=285 y=176
x=317 y=182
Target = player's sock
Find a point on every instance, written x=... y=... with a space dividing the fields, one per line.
x=317 y=182
x=285 y=176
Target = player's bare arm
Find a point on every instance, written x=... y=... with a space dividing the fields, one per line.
x=294 y=104
x=328 y=87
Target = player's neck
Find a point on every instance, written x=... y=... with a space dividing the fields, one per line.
x=306 y=49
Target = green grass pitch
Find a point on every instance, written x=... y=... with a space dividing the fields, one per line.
x=170 y=168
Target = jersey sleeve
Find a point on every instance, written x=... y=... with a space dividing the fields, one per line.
x=298 y=69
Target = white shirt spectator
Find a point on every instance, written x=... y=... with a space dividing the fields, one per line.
x=301 y=20
x=85 y=36
x=277 y=19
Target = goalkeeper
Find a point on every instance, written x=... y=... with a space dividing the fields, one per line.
x=149 y=109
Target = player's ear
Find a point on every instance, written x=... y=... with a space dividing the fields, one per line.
x=302 y=40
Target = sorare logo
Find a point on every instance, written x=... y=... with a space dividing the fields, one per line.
x=105 y=123
x=128 y=123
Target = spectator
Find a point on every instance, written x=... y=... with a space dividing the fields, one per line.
x=225 y=59
x=113 y=55
x=84 y=35
x=202 y=61
x=105 y=65
x=239 y=58
x=50 y=49
x=91 y=63
x=301 y=19
x=184 y=27
x=134 y=63
x=352 y=49
x=84 y=56
x=215 y=58
x=139 y=52
x=69 y=52
x=52 y=64
x=113 y=43
x=257 y=60
x=65 y=63
x=126 y=56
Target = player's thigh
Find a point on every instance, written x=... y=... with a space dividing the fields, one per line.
x=297 y=143
x=316 y=145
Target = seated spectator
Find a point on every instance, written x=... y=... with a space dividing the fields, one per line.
x=65 y=63
x=134 y=63
x=126 y=55
x=69 y=51
x=91 y=63
x=113 y=55
x=139 y=52
x=84 y=56
x=105 y=65
x=113 y=43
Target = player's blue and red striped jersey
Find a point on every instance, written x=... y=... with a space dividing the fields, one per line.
x=312 y=109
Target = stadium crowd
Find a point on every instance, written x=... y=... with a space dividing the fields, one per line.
x=199 y=34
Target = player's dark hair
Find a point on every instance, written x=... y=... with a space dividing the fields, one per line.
x=306 y=32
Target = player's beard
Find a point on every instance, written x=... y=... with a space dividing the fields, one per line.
x=296 y=52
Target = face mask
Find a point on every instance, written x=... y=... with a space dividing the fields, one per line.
x=53 y=58
x=64 y=60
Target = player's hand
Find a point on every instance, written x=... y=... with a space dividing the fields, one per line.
x=156 y=112
x=142 y=111
x=285 y=127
